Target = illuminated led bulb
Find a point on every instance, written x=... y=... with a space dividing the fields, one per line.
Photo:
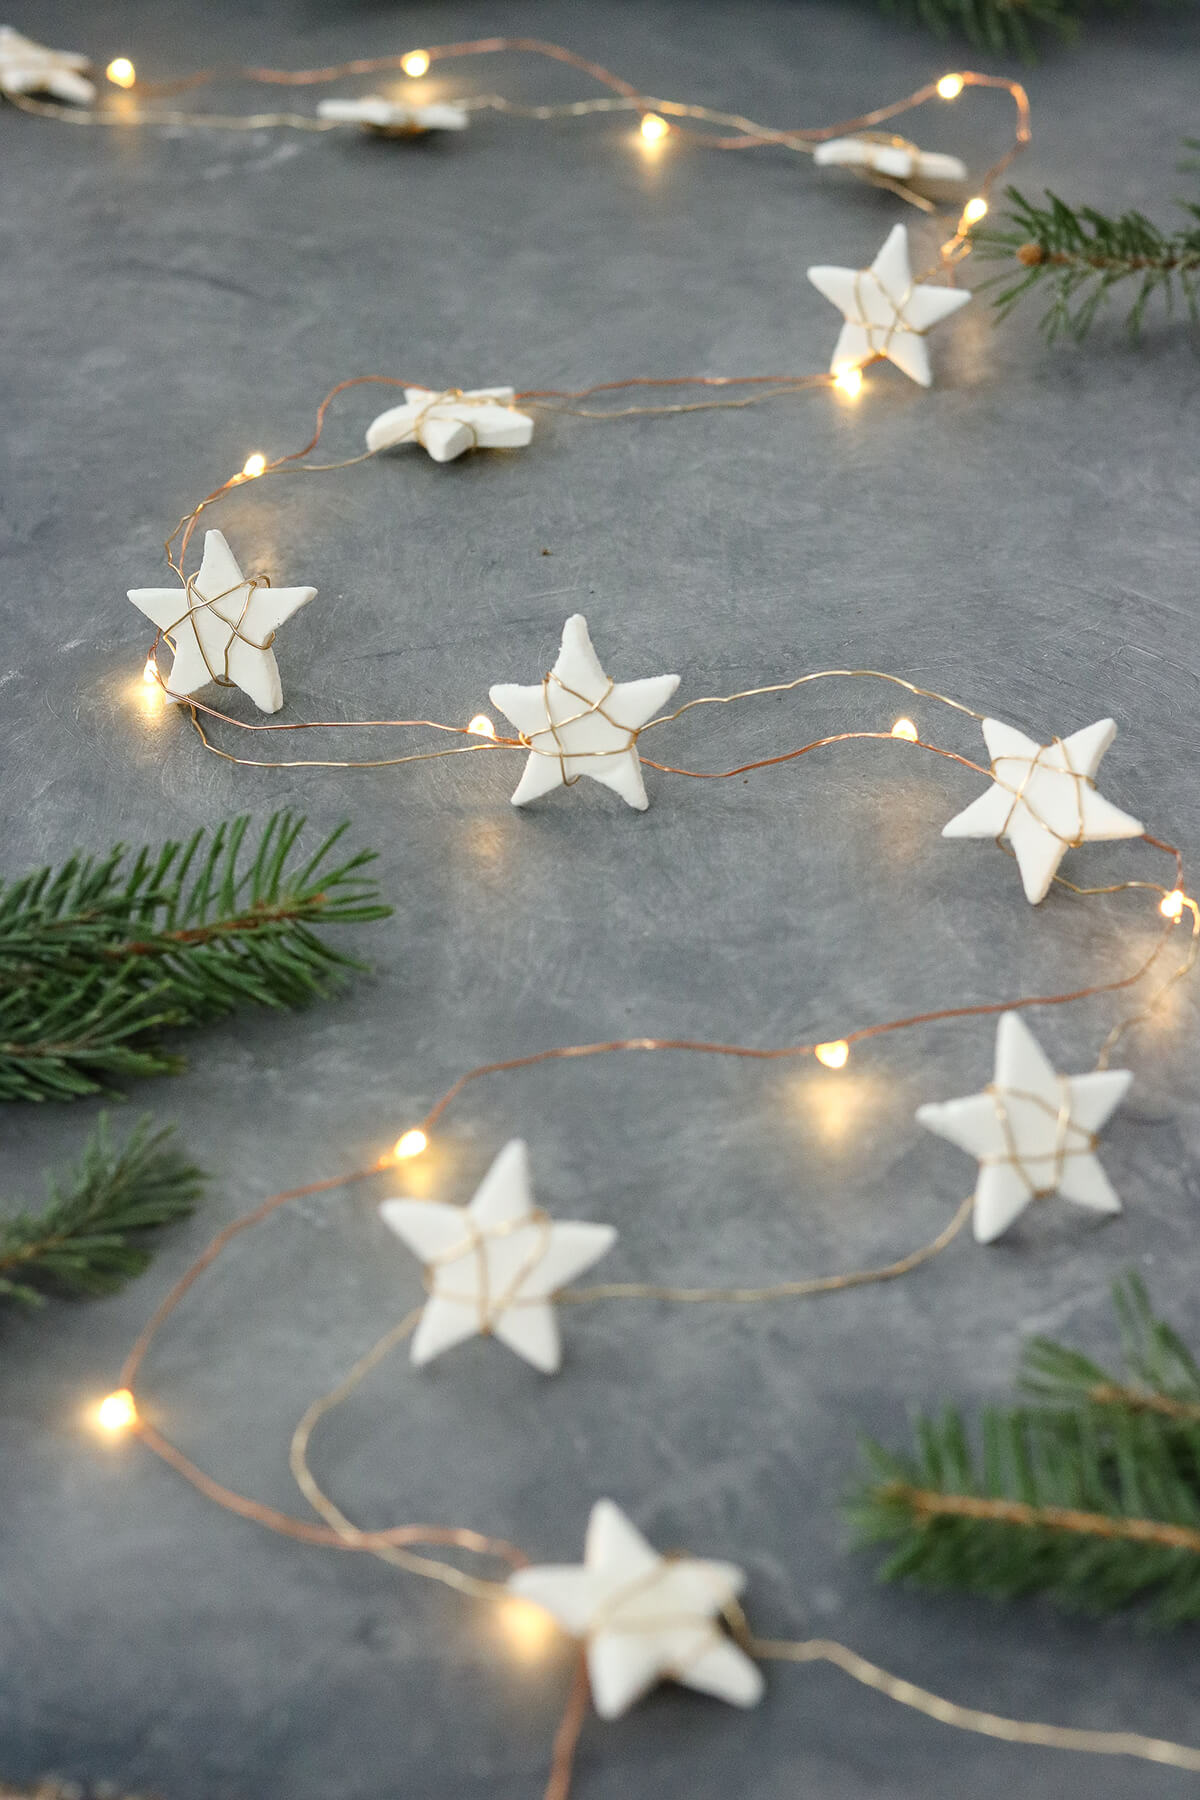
x=411 y=1144
x=528 y=1629
x=1171 y=905
x=150 y=672
x=654 y=128
x=904 y=728
x=975 y=210
x=121 y=72
x=950 y=87
x=254 y=465
x=117 y=1412
x=834 y=1055
x=415 y=64
x=849 y=381
x=482 y=726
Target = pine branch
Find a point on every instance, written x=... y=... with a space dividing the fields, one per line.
x=91 y=1237
x=100 y=956
x=1078 y=258
x=1090 y=1493
x=1003 y=26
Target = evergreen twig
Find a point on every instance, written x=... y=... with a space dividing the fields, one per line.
x=1004 y=25
x=91 y=1236
x=99 y=956
x=1078 y=257
x=1089 y=1492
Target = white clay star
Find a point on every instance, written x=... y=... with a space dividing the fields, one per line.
x=644 y=1617
x=889 y=156
x=393 y=116
x=1043 y=800
x=449 y=422
x=493 y=1267
x=229 y=638
x=1033 y=1131
x=887 y=313
x=578 y=722
x=29 y=68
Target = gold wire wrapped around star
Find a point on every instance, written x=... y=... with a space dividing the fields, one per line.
x=30 y=68
x=1043 y=800
x=448 y=423
x=577 y=721
x=887 y=313
x=644 y=1618
x=221 y=625
x=493 y=1267
x=1033 y=1131
x=881 y=153
x=392 y=118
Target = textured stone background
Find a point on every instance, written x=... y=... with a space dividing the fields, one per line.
x=1023 y=536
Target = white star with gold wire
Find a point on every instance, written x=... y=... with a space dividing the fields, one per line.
x=887 y=313
x=222 y=625
x=493 y=1267
x=1032 y=1130
x=576 y=722
x=393 y=118
x=1043 y=800
x=892 y=156
x=29 y=68
x=450 y=422
x=644 y=1618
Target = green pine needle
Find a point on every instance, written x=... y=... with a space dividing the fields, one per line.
x=1089 y=1493
x=1078 y=258
x=91 y=1238
x=100 y=956
x=1003 y=26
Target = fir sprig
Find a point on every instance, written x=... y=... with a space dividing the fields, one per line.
x=92 y=1235
x=1077 y=257
x=1090 y=1493
x=100 y=956
x=1004 y=25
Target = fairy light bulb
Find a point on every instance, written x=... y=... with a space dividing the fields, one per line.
x=528 y=1630
x=117 y=1412
x=834 y=1055
x=411 y=1143
x=254 y=466
x=653 y=128
x=1171 y=905
x=150 y=671
x=849 y=381
x=950 y=86
x=904 y=728
x=481 y=726
x=121 y=72
x=975 y=210
x=415 y=64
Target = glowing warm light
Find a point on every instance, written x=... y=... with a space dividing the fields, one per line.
x=150 y=672
x=849 y=381
x=1171 y=905
x=904 y=728
x=975 y=210
x=121 y=72
x=654 y=129
x=416 y=64
x=950 y=86
x=254 y=465
x=529 y=1629
x=117 y=1412
x=482 y=726
x=411 y=1144
x=834 y=1055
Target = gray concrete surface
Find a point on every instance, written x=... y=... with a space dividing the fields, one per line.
x=1024 y=536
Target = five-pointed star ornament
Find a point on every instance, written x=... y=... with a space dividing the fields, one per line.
x=221 y=626
x=644 y=1618
x=450 y=422
x=393 y=118
x=29 y=68
x=493 y=1267
x=892 y=156
x=887 y=312
x=1033 y=1131
x=1043 y=800
x=576 y=721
